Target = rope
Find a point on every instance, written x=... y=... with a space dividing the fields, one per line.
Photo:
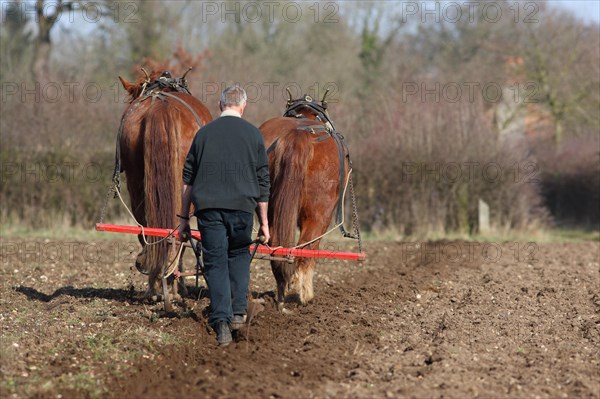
x=140 y=225
x=327 y=232
x=171 y=269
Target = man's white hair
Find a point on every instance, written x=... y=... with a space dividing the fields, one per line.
x=233 y=96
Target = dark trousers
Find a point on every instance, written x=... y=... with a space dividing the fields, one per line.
x=226 y=236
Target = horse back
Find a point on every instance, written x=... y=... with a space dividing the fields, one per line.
x=278 y=127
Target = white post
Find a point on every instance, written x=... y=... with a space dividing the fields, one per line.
x=484 y=217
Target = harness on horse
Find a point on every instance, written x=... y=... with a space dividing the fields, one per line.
x=323 y=129
x=167 y=82
x=159 y=88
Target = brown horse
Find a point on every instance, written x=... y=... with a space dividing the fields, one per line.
x=307 y=163
x=156 y=132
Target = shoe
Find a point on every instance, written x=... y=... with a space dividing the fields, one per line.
x=238 y=321
x=223 y=333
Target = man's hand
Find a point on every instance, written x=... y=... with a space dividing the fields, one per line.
x=264 y=231
x=184 y=231
x=184 y=222
x=261 y=212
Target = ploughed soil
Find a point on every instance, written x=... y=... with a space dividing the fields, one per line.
x=450 y=319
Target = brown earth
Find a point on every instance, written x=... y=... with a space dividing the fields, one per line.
x=445 y=319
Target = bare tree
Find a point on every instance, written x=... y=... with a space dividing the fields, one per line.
x=559 y=56
x=46 y=18
x=15 y=40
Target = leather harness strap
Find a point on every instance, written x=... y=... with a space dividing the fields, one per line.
x=312 y=129
x=188 y=106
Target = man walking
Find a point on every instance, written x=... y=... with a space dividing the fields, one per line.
x=226 y=176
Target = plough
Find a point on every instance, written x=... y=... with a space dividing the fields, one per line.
x=287 y=253
x=268 y=253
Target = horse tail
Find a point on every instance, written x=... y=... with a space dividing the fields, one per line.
x=162 y=178
x=292 y=154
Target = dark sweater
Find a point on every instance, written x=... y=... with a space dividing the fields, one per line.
x=227 y=166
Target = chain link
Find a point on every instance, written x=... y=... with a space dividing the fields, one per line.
x=111 y=189
x=355 y=221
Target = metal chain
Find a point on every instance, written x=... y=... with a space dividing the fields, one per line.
x=111 y=189
x=355 y=222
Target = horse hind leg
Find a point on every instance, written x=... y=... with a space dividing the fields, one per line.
x=299 y=288
x=153 y=292
x=175 y=285
x=142 y=264
x=282 y=289
x=312 y=225
x=282 y=280
x=281 y=294
x=306 y=272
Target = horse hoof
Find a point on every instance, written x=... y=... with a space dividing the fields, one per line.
x=176 y=297
x=140 y=268
x=156 y=298
x=282 y=309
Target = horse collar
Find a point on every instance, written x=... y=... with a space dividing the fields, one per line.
x=319 y=110
x=164 y=82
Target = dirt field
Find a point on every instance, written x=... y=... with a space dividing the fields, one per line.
x=445 y=319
